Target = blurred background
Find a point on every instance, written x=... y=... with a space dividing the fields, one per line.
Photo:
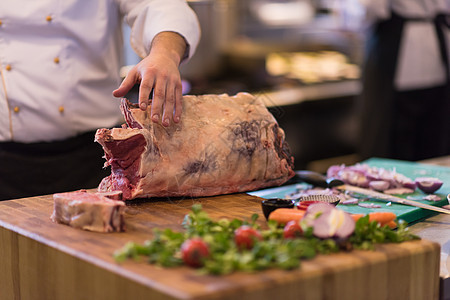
x=302 y=57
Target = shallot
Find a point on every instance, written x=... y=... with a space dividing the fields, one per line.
x=379 y=185
x=375 y=178
x=319 y=208
x=432 y=198
x=324 y=227
x=350 y=201
x=347 y=226
x=328 y=221
x=369 y=205
x=314 y=211
x=428 y=185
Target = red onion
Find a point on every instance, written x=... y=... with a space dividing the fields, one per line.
x=375 y=174
x=369 y=205
x=379 y=185
x=354 y=177
x=403 y=181
x=313 y=211
x=409 y=185
x=333 y=171
x=363 y=175
x=319 y=208
x=325 y=226
x=328 y=221
x=346 y=228
x=428 y=185
x=350 y=201
x=432 y=197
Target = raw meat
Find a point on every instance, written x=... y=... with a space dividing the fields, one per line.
x=222 y=145
x=88 y=211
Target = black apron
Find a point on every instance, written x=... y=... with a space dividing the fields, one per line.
x=31 y=169
x=408 y=125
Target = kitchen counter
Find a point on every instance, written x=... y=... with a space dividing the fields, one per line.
x=437 y=229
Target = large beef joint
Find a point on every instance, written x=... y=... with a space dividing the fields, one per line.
x=88 y=211
x=222 y=145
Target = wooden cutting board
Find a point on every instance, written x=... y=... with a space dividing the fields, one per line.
x=43 y=260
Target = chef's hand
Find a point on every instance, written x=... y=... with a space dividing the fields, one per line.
x=159 y=71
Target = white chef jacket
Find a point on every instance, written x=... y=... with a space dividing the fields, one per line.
x=420 y=64
x=60 y=61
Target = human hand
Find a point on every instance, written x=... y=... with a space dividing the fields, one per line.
x=159 y=71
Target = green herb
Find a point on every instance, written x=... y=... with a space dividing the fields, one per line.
x=273 y=251
x=369 y=233
x=162 y=250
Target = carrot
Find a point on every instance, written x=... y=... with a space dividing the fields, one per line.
x=392 y=224
x=284 y=215
x=383 y=218
x=356 y=217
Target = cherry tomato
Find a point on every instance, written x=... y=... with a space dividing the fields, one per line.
x=194 y=251
x=292 y=230
x=245 y=237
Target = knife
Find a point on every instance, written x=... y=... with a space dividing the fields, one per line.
x=320 y=180
x=133 y=94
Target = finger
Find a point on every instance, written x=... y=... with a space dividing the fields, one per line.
x=178 y=103
x=159 y=94
x=169 y=104
x=127 y=84
x=144 y=92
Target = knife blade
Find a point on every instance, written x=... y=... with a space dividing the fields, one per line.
x=133 y=94
x=320 y=180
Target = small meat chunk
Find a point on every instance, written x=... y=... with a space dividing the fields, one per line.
x=89 y=211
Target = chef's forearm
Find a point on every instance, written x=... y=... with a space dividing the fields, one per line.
x=169 y=43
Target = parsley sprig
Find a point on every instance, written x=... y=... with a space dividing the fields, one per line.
x=369 y=233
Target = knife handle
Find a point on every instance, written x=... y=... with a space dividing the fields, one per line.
x=317 y=179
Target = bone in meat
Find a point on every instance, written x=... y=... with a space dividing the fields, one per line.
x=89 y=211
x=222 y=145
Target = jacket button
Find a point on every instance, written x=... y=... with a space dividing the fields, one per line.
x=16 y=109
x=61 y=109
x=8 y=67
x=48 y=18
x=56 y=60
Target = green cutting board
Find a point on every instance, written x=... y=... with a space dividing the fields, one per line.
x=409 y=214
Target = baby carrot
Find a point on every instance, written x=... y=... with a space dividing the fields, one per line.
x=356 y=217
x=382 y=218
x=284 y=215
x=392 y=224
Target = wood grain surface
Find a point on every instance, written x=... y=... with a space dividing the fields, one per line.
x=43 y=260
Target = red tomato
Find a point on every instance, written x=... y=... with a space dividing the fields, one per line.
x=245 y=237
x=194 y=251
x=303 y=205
x=292 y=230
